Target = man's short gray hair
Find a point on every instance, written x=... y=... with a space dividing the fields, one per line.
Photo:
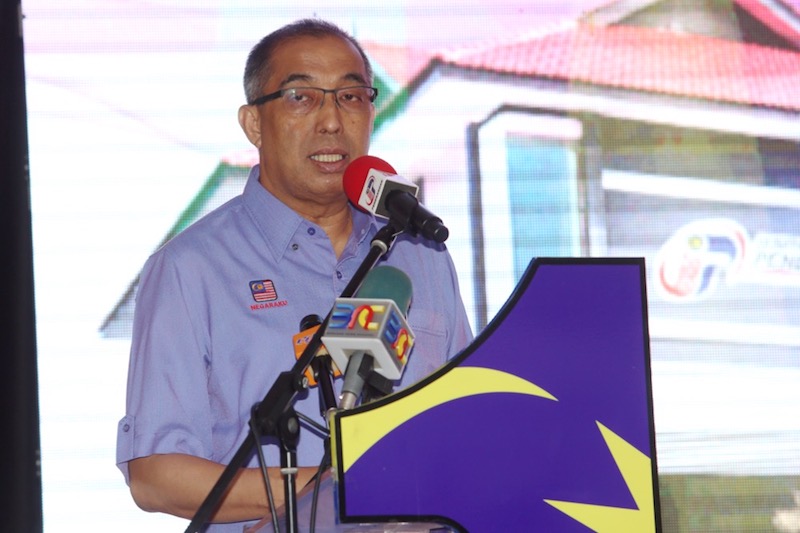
x=257 y=69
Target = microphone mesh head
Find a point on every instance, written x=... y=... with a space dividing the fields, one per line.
x=355 y=175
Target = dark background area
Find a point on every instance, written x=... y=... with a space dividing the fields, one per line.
x=21 y=504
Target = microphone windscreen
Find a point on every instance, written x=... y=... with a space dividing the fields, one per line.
x=356 y=173
x=309 y=321
x=387 y=282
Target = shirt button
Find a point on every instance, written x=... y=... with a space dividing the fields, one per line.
x=295 y=247
x=311 y=231
x=126 y=428
x=339 y=274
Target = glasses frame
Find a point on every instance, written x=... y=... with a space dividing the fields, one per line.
x=279 y=94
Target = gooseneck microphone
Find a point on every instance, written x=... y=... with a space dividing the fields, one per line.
x=372 y=185
x=368 y=335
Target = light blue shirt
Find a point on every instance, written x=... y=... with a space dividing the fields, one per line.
x=208 y=342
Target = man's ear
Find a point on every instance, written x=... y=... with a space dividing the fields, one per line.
x=249 y=120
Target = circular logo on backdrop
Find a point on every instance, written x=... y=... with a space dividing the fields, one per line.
x=698 y=256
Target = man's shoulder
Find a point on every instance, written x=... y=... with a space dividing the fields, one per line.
x=224 y=224
x=416 y=248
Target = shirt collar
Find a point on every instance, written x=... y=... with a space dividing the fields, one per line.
x=278 y=223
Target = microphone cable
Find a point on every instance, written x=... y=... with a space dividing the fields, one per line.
x=317 y=477
x=311 y=422
x=262 y=462
x=324 y=463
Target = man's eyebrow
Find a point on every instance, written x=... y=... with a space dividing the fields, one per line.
x=295 y=77
x=355 y=76
x=307 y=78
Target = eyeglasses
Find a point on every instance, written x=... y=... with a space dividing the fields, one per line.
x=303 y=100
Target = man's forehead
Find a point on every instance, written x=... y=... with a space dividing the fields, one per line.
x=306 y=58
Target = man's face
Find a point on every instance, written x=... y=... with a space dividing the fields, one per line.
x=303 y=157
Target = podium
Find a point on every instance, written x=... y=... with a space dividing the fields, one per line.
x=544 y=423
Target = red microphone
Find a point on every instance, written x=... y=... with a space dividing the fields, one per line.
x=357 y=172
x=373 y=185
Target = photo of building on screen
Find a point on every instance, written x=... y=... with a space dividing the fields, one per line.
x=666 y=130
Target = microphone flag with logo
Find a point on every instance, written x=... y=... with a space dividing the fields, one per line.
x=372 y=324
x=373 y=186
x=308 y=326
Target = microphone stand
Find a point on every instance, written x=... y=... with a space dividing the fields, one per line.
x=322 y=367
x=275 y=414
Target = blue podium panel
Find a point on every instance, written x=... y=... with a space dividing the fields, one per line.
x=544 y=423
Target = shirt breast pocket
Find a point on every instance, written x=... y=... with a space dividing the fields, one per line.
x=430 y=349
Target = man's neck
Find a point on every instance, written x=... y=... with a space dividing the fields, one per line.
x=334 y=218
x=338 y=226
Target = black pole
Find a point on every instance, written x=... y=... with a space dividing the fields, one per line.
x=289 y=438
x=21 y=507
x=322 y=368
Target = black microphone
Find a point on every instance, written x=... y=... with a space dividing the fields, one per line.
x=372 y=185
x=320 y=372
x=368 y=335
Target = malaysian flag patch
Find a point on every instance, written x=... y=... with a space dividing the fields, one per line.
x=263 y=290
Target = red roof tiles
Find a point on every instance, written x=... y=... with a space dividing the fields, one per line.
x=400 y=62
x=654 y=61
